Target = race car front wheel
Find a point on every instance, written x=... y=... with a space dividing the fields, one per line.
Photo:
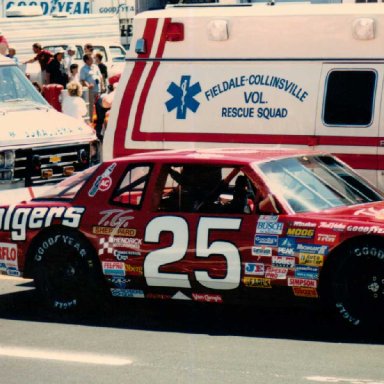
x=66 y=271
x=357 y=283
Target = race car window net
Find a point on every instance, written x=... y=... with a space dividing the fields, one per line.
x=130 y=191
x=68 y=188
x=205 y=188
x=315 y=183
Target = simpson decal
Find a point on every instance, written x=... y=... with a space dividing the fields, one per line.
x=296 y=282
x=18 y=220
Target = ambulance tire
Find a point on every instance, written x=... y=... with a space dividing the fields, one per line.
x=356 y=277
x=67 y=272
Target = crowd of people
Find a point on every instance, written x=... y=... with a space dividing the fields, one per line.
x=58 y=67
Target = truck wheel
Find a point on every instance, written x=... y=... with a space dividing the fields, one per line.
x=67 y=273
x=357 y=283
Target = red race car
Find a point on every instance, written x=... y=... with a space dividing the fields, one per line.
x=211 y=226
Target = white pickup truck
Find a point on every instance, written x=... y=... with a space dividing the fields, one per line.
x=38 y=145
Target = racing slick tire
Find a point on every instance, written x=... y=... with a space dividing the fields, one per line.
x=66 y=271
x=356 y=283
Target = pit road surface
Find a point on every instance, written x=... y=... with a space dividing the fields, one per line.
x=136 y=341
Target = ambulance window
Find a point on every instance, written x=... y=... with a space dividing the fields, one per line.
x=349 y=98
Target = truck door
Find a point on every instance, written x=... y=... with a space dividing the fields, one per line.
x=348 y=113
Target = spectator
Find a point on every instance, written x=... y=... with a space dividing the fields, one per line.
x=74 y=73
x=91 y=78
x=38 y=87
x=88 y=48
x=12 y=55
x=73 y=105
x=102 y=106
x=3 y=44
x=102 y=67
x=55 y=69
x=68 y=60
x=43 y=57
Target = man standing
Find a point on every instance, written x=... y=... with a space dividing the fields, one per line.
x=55 y=69
x=43 y=57
x=91 y=78
x=68 y=60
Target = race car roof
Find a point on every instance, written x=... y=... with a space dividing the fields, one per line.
x=236 y=155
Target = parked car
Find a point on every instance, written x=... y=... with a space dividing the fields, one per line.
x=218 y=226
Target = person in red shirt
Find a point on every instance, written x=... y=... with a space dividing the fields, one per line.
x=43 y=57
x=3 y=44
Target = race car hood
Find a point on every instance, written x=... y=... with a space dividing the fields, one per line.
x=35 y=126
x=364 y=214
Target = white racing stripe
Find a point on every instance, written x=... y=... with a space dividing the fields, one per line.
x=342 y=380
x=72 y=357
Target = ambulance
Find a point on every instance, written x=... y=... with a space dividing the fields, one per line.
x=283 y=75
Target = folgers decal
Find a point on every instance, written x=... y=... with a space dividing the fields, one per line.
x=18 y=220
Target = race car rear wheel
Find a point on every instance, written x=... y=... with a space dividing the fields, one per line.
x=357 y=283
x=66 y=271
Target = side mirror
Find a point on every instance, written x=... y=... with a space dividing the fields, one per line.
x=268 y=205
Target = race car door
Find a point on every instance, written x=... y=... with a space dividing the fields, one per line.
x=198 y=232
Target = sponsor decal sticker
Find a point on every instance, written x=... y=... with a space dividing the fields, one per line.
x=103 y=182
x=269 y=227
x=287 y=246
x=365 y=229
x=113 y=268
x=109 y=231
x=207 y=297
x=108 y=246
x=256 y=269
x=134 y=270
x=296 y=282
x=338 y=227
x=261 y=251
x=306 y=272
x=311 y=259
x=326 y=238
x=301 y=232
x=18 y=220
x=276 y=273
x=371 y=212
x=270 y=240
x=305 y=292
x=283 y=261
x=158 y=296
x=119 y=292
x=307 y=224
x=312 y=248
x=119 y=282
x=257 y=282
x=13 y=271
x=8 y=255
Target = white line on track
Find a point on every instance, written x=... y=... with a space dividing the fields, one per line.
x=342 y=380
x=72 y=357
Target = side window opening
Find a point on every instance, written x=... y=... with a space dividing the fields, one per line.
x=207 y=189
x=349 y=97
x=130 y=191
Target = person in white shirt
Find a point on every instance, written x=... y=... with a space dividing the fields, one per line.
x=73 y=105
x=69 y=57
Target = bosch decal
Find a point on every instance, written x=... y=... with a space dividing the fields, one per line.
x=269 y=227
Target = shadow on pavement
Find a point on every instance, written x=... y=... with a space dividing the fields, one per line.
x=195 y=318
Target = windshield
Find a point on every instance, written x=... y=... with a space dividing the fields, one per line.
x=15 y=88
x=68 y=188
x=314 y=183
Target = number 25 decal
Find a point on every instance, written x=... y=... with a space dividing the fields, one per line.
x=177 y=251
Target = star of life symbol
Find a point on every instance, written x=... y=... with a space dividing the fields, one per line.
x=183 y=97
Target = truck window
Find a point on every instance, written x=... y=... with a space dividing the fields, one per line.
x=349 y=97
